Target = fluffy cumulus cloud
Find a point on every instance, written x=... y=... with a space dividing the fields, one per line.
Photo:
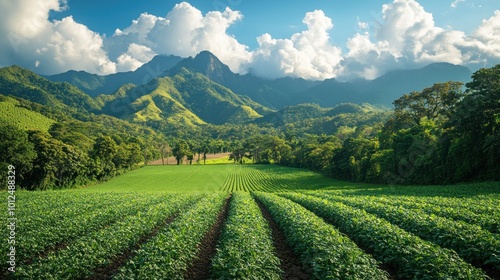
x=185 y=31
x=29 y=39
x=486 y=39
x=308 y=54
x=406 y=36
x=134 y=58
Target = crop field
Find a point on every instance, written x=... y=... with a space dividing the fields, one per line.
x=254 y=222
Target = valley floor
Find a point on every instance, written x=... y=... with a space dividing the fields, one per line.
x=255 y=222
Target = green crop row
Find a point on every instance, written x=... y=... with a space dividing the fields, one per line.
x=89 y=252
x=410 y=256
x=463 y=212
x=245 y=250
x=328 y=253
x=168 y=255
x=244 y=178
x=471 y=242
x=53 y=230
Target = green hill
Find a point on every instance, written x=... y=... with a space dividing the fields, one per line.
x=313 y=119
x=94 y=84
x=186 y=98
x=159 y=101
x=20 y=82
x=11 y=112
x=213 y=102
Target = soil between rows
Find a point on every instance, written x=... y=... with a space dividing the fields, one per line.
x=200 y=266
x=289 y=261
x=106 y=272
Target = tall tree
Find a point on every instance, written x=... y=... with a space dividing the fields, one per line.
x=17 y=151
x=477 y=126
x=432 y=103
x=103 y=153
x=180 y=150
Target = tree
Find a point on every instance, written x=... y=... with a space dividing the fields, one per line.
x=432 y=103
x=280 y=149
x=237 y=151
x=476 y=124
x=180 y=150
x=103 y=153
x=165 y=150
x=57 y=165
x=17 y=151
x=190 y=157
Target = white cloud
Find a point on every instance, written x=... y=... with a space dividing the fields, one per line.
x=185 y=31
x=134 y=58
x=487 y=39
x=456 y=3
x=407 y=36
x=308 y=54
x=31 y=40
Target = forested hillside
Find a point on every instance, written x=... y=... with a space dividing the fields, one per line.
x=60 y=136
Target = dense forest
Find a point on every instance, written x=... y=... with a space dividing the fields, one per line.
x=443 y=134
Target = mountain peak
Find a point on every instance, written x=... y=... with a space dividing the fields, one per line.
x=207 y=64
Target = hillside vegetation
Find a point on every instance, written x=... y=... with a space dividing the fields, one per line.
x=14 y=114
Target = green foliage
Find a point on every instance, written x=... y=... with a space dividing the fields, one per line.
x=470 y=241
x=16 y=150
x=168 y=254
x=79 y=214
x=326 y=252
x=104 y=223
x=437 y=135
x=96 y=249
x=431 y=103
x=23 y=83
x=11 y=112
x=409 y=255
x=245 y=250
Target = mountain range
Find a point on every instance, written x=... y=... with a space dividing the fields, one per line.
x=278 y=93
x=201 y=89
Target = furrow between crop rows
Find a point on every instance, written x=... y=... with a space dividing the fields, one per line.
x=54 y=233
x=85 y=254
x=289 y=261
x=245 y=250
x=199 y=268
x=471 y=242
x=322 y=248
x=167 y=256
x=410 y=256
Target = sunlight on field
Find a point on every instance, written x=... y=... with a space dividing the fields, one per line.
x=217 y=177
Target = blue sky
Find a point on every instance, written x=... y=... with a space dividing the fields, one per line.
x=315 y=39
x=279 y=18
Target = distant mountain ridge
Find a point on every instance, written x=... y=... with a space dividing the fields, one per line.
x=23 y=83
x=94 y=84
x=328 y=93
x=277 y=93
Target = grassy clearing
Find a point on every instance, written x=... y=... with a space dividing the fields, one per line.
x=210 y=178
